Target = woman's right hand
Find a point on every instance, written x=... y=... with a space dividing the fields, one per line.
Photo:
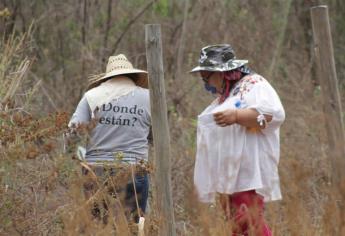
x=225 y=118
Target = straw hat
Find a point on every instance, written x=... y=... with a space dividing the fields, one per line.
x=119 y=65
x=219 y=57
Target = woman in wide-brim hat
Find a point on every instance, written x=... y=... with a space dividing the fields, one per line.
x=119 y=65
x=238 y=140
x=119 y=79
x=118 y=104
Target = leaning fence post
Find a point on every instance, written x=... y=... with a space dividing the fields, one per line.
x=323 y=47
x=160 y=129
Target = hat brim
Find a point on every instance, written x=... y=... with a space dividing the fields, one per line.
x=141 y=77
x=232 y=65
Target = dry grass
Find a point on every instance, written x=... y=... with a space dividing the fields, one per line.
x=41 y=186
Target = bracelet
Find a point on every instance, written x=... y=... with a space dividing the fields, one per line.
x=261 y=120
x=236 y=116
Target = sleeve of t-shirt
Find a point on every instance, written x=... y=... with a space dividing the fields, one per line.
x=265 y=100
x=82 y=113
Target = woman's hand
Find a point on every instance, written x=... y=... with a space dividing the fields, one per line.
x=227 y=117
x=244 y=117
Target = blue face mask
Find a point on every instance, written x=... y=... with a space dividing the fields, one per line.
x=210 y=88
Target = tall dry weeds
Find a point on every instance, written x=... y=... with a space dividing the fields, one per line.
x=41 y=186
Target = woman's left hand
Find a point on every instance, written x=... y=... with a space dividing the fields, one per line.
x=224 y=118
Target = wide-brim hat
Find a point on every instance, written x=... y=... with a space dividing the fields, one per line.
x=120 y=65
x=219 y=57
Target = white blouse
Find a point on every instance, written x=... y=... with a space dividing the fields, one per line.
x=234 y=158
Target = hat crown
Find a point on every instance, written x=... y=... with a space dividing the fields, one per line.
x=119 y=62
x=216 y=55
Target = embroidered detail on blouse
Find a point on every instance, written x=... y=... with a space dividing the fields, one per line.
x=245 y=85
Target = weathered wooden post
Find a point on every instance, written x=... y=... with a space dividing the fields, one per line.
x=329 y=88
x=160 y=129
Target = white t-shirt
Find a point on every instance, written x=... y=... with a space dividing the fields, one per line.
x=233 y=158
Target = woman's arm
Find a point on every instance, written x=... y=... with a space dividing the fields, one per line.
x=245 y=117
x=82 y=114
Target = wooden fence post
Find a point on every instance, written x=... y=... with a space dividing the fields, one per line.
x=160 y=129
x=329 y=88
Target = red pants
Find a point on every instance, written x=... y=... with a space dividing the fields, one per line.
x=245 y=211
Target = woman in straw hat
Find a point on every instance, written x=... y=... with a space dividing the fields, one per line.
x=118 y=104
x=238 y=140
